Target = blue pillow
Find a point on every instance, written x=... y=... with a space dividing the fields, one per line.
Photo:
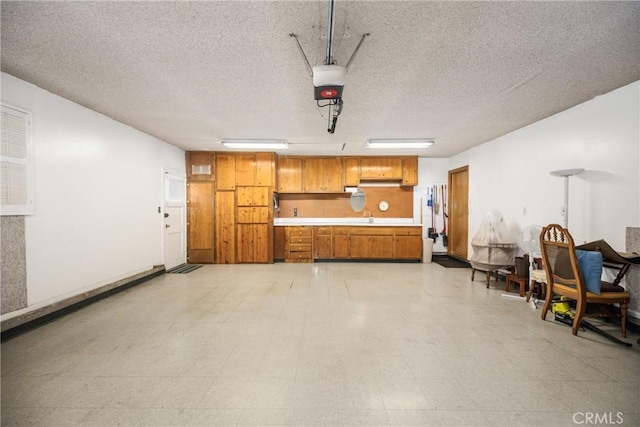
x=590 y=263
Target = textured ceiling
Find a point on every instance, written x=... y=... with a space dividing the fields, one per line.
x=193 y=73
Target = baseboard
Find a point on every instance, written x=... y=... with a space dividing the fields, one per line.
x=39 y=316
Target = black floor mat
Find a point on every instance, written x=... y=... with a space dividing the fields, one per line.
x=184 y=268
x=448 y=262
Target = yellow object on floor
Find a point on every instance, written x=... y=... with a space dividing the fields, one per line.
x=562 y=307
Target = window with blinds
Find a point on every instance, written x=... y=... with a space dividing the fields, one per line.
x=16 y=182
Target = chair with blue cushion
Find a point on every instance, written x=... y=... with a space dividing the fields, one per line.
x=576 y=275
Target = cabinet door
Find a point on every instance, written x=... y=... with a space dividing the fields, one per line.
x=382 y=247
x=408 y=247
x=253 y=196
x=340 y=247
x=332 y=175
x=381 y=168
x=245 y=169
x=200 y=205
x=351 y=171
x=261 y=243
x=265 y=169
x=322 y=175
x=313 y=175
x=290 y=175
x=360 y=246
x=322 y=243
x=253 y=241
x=253 y=215
x=278 y=242
x=410 y=171
x=225 y=172
x=225 y=228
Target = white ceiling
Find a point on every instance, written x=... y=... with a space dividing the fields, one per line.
x=193 y=73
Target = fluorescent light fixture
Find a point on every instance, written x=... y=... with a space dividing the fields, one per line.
x=399 y=143
x=256 y=144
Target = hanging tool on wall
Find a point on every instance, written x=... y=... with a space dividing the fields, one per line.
x=432 y=233
x=445 y=238
x=436 y=200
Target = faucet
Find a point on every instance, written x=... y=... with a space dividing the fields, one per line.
x=368 y=214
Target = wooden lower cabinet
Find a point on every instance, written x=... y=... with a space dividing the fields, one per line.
x=347 y=242
x=408 y=244
x=298 y=245
x=322 y=243
x=371 y=242
x=253 y=243
x=225 y=227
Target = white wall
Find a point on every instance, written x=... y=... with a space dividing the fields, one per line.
x=97 y=192
x=430 y=172
x=511 y=173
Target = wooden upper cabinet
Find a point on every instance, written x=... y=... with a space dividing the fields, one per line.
x=290 y=175
x=410 y=171
x=381 y=168
x=200 y=166
x=265 y=169
x=245 y=169
x=352 y=171
x=225 y=172
x=253 y=196
x=255 y=169
x=323 y=175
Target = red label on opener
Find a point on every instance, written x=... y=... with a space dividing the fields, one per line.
x=328 y=93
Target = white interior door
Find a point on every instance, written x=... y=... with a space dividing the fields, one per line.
x=175 y=218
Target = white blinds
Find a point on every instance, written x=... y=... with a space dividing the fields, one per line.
x=15 y=188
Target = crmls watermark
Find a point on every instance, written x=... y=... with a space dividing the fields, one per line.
x=598 y=418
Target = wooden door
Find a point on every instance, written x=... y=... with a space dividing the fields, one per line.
x=200 y=243
x=458 y=203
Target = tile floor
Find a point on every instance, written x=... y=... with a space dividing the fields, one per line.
x=333 y=344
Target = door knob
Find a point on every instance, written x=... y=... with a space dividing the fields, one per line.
x=167 y=226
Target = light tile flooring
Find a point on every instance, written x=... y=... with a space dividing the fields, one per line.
x=334 y=344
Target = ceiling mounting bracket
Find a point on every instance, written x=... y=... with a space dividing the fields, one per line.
x=302 y=53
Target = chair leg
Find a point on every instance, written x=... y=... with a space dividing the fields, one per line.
x=532 y=286
x=580 y=310
x=522 y=285
x=623 y=318
x=547 y=304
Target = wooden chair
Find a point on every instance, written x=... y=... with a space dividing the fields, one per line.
x=520 y=275
x=564 y=278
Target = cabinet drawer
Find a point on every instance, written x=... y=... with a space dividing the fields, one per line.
x=303 y=239
x=323 y=231
x=300 y=255
x=408 y=231
x=372 y=231
x=300 y=247
x=340 y=231
x=300 y=231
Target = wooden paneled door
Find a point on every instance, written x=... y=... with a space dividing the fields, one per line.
x=458 y=203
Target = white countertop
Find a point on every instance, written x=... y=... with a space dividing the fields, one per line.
x=395 y=222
